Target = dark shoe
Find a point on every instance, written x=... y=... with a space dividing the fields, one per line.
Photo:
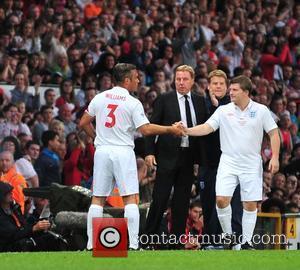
x=229 y=241
x=247 y=246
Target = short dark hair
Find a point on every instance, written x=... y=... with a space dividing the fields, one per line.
x=47 y=136
x=195 y=204
x=29 y=143
x=16 y=142
x=291 y=205
x=244 y=82
x=47 y=91
x=122 y=71
x=44 y=108
x=269 y=203
x=8 y=106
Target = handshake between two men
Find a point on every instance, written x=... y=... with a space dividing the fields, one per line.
x=178 y=129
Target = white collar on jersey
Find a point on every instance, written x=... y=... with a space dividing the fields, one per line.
x=250 y=104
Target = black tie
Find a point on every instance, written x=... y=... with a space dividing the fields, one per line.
x=188 y=114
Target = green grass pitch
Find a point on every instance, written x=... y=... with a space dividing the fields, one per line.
x=183 y=260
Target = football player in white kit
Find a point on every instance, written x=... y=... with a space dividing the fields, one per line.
x=118 y=115
x=242 y=124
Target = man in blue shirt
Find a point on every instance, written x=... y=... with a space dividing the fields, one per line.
x=47 y=165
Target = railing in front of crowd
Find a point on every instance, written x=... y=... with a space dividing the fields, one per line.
x=276 y=231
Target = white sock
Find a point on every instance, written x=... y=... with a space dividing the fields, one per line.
x=248 y=224
x=224 y=215
x=133 y=216
x=94 y=211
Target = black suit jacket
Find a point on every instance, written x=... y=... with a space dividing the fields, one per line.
x=166 y=148
x=9 y=231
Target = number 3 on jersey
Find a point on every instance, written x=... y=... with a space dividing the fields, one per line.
x=111 y=115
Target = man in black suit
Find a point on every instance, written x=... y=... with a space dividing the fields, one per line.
x=216 y=96
x=174 y=157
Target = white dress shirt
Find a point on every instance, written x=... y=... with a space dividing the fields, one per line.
x=181 y=101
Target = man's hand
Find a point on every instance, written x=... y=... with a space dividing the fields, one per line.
x=182 y=127
x=42 y=225
x=178 y=129
x=213 y=99
x=150 y=161
x=273 y=165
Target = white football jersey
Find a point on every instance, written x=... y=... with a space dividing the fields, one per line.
x=118 y=115
x=241 y=133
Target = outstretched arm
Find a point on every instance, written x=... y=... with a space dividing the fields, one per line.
x=200 y=130
x=153 y=129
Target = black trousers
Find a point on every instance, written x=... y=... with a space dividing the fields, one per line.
x=212 y=227
x=181 y=178
x=39 y=242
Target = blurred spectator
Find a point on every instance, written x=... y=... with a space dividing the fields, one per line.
x=105 y=63
x=273 y=205
x=65 y=116
x=89 y=93
x=146 y=181
x=78 y=165
x=15 y=233
x=78 y=71
x=50 y=98
x=47 y=164
x=59 y=128
x=19 y=93
x=295 y=198
x=40 y=127
x=12 y=145
x=9 y=68
x=284 y=127
x=24 y=165
x=93 y=9
x=88 y=81
x=9 y=174
x=292 y=108
x=194 y=225
x=61 y=66
x=23 y=139
x=277 y=193
x=291 y=184
x=105 y=81
x=27 y=40
x=292 y=208
x=231 y=50
x=279 y=181
x=13 y=125
x=67 y=93
x=269 y=60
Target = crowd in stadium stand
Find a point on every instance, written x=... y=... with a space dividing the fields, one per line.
x=73 y=45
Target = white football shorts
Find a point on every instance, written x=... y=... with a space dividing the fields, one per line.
x=251 y=182
x=115 y=166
